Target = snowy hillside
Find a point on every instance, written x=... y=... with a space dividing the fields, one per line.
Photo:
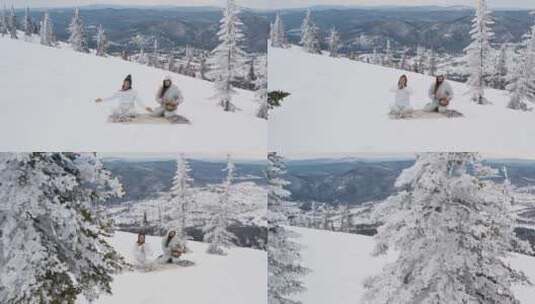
x=345 y=259
x=47 y=100
x=339 y=105
x=239 y=277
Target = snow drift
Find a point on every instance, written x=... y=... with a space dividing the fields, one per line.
x=47 y=99
x=340 y=263
x=239 y=277
x=339 y=105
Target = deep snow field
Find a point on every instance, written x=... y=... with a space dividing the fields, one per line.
x=238 y=278
x=338 y=105
x=340 y=263
x=47 y=104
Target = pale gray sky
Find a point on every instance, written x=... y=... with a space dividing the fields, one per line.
x=263 y=4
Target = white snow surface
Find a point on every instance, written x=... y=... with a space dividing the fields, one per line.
x=240 y=277
x=338 y=105
x=47 y=100
x=340 y=263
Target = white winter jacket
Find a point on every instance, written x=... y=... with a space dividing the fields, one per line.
x=402 y=96
x=444 y=91
x=126 y=99
x=174 y=244
x=172 y=94
x=142 y=253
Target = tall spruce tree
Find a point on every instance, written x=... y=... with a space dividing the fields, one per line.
x=334 y=42
x=452 y=227
x=310 y=35
x=479 y=51
x=47 y=31
x=53 y=245
x=182 y=198
x=102 y=41
x=228 y=57
x=285 y=269
x=77 y=38
x=278 y=33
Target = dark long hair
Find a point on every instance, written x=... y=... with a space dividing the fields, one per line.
x=400 y=86
x=141 y=234
x=164 y=89
x=169 y=238
x=438 y=84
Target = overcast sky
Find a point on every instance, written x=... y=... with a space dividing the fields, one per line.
x=263 y=4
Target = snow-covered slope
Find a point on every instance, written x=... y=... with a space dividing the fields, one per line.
x=339 y=105
x=47 y=103
x=239 y=277
x=340 y=263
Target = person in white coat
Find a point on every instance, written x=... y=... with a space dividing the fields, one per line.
x=169 y=98
x=402 y=103
x=127 y=99
x=441 y=94
x=142 y=253
x=172 y=248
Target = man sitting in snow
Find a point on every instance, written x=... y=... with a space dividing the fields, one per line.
x=169 y=98
x=172 y=248
x=441 y=95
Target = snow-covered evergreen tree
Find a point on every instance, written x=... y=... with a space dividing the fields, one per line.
x=216 y=231
x=310 y=35
x=182 y=198
x=28 y=25
x=170 y=63
x=4 y=30
x=12 y=23
x=452 y=227
x=53 y=247
x=285 y=270
x=278 y=33
x=228 y=57
x=389 y=55
x=432 y=63
x=420 y=62
x=334 y=42
x=102 y=41
x=47 y=31
x=154 y=58
x=203 y=66
x=522 y=86
x=189 y=69
x=479 y=51
x=261 y=94
x=77 y=38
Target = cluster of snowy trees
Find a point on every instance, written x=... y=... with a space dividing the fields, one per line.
x=452 y=226
x=285 y=269
x=54 y=240
x=8 y=23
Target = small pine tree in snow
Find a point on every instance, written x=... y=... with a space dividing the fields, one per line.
x=479 y=51
x=203 y=66
x=53 y=247
x=28 y=24
x=251 y=75
x=278 y=33
x=12 y=24
x=102 y=41
x=261 y=95
x=170 y=63
x=153 y=61
x=47 y=31
x=4 y=30
x=228 y=57
x=182 y=198
x=334 y=42
x=189 y=69
x=389 y=56
x=522 y=85
x=216 y=231
x=420 y=60
x=285 y=270
x=452 y=227
x=432 y=63
x=77 y=38
x=310 y=35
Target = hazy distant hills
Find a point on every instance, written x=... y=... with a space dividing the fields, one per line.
x=355 y=181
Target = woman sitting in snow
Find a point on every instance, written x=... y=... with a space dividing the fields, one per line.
x=441 y=95
x=142 y=252
x=169 y=98
x=127 y=98
x=402 y=104
x=172 y=248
